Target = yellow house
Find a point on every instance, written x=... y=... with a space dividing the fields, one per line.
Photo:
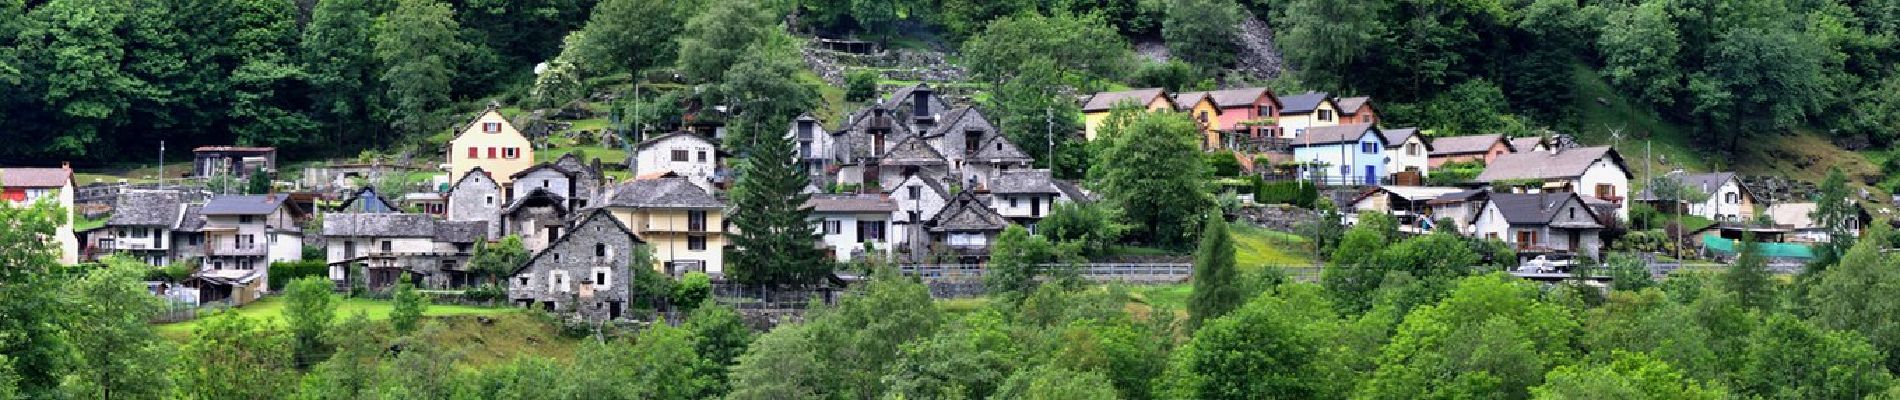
x=1201 y=107
x=1095 y=107
x=682 y=223
x=491 y=143
x=1308 y=110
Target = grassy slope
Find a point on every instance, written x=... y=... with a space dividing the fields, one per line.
x=1255 y=247
x=271 y=309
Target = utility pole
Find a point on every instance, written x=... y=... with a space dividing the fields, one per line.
x=161 y=164
x=1049 y=128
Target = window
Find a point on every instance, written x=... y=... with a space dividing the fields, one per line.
x=244 y=219
x=600 y=249
x=491 y=127
x=696 y=242
x=702 y=156
x=1606 y=191
x=194 y=240
x=833 y=227
x=1203 y=117
x=544 y=183
x=1325 y=115
x=603 y=278
x=511 y=153
x=1012 y=202
x=913 y=216
x=696 y=220
x=1263 y=110
x=246 y=241
x=557 y=281
x=491 y=152
x=914 y=192
x=474 y=152
x=871 y=231
x=1573 y=213
x=679 y=155
x=1345 y=170
x=1411 y=149
x=525 y=278
x=490 y=199
x=387 y=246
x=1733 y=198
x=1368 y=148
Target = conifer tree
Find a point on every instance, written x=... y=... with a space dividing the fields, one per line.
x=1748 y=277
x=1216 y=284
x=775 y=240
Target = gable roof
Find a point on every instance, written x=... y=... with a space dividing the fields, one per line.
x=542 y=194
x=1073 y=191
x=1411 y=193
x=1398 y=136
x=1708 y=183
x=243 y=204
x=191 y=220
x=1351 y=105
x=999 y=149
x=1023 y=181
x=1184 y=101
x=955 y=115
x=657 y=139
x=370 y=202
x=35 y=177
x=1527 y=143
x=592 y=218
x=147 y=208
x=667 y=192
x=1303 y=103
x=1536 y=208
x=858 y=203
x=965 y=212
x=461 y=231
x=472 y=173
x=1566 y=163
x=1325 y=135
x=904 y=94
x=932 y=183
x=492 y=108
x=1241 y=97
x=1104 y=101
x=1457 y=145
x=380 y=225
x=912 y=151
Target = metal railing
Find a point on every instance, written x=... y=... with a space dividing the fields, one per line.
x=1097 y=272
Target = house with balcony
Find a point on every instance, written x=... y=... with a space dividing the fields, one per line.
x=851 y=226
x=141 y=226
x=1596 y=172
x=1541 y=223
x=1096 y=107
x=1408 y=153
x=1024 y=196
x=1238 y=119
x=1342 y=154
x=682 y=223
x=965 y=228
x=242 y=236
x=861 y=145
x=1306 y=110
x=379 y=250
x=21 y=187
x=814 y=145
x=584 y=273
x=1409 y=205
x=686 y=154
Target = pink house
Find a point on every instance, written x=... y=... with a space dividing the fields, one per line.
x=1234 y=116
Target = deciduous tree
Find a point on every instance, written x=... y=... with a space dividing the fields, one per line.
x=1153 y=173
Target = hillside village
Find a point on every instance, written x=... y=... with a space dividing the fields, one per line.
x=949 y=199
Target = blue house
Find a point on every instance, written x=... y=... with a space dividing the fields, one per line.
x=1351 y=154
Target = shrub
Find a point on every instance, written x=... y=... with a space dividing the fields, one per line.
x=1173 y=75
x=1287 y=192
x=860 y=85
x=694 y=288
x=1222 y=163
x=281 y=273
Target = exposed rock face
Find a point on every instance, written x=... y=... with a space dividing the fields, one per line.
x=1257 y=55
x=1279 y=217
x=1776 y=189
x=900 y=64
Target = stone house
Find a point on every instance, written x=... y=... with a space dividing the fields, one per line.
x=682 y=223
x=913 y=156
x=586 y=272
x=567 y=178
x=966 y=227
x=538 y=217
x=379 y=250
x=918 y=199
x=477 y=198
x=919 y=107
x=1023 y=196
x=814 y=143
x=862 y=143
x=235 y=161
x=141 y=226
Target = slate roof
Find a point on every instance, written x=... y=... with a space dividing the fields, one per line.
x=1460 y=197
x=932 y=183
x=1457 y=145
x=595 y=217
x=912 y=151
x=192 y=220
x=366 y=200
x=966 y=212
x=1568 y=163
x=1533 y=208
x=1398 y=136
x=1023 y=181
x=1526 y=143
x=1302 y=103
x=35 y=177
x=1351 y=105
x=661 y=138
x=1106 y=100
x=147 y=208
x=492 y=108
x=1325 y=135
x=461 y=231
x=262 y=204
x=671 y=192
x=541 y=194
x=902 y=95
x=999 y=149
x=1073 y=191
x=471 y=173
x=1707 y=183
x=379 y=225
x=860 y=203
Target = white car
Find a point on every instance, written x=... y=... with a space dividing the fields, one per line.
x=1548 y=264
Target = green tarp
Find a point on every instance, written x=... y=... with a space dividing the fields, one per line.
x=1770 y=250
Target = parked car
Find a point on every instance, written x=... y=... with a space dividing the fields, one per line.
x=1549 y=263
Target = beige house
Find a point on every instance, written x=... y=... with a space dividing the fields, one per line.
x=1095 y=108
x=491 y=143
x=682 y=223
x=25 y=186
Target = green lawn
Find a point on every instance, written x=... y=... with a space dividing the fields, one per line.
x=588 y=153
x=271 y=309
x=83 y=224
x=1255 y=247
x=1171 y=295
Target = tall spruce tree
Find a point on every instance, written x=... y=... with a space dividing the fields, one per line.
x=1748 y=277
x=775 y=241
x=1216 y=284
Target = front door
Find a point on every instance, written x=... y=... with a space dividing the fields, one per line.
x=1372 y=177
x=1035 y=206
x=1576 y=242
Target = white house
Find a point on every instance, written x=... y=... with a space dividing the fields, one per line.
x=1408 y=204
x=1308 y=110
x=21 y=187
x=1024 y=196
x=918 y=199
x=1408 y=151
x=1728 y=199
x=1535 y=223
x=815 y=146
x=853 y=225
x=1591 y=171
x=1351 y=154
x=689 y=155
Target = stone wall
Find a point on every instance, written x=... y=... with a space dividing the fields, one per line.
x=1278 y=217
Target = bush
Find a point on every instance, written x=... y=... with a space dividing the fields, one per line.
x=1455 y=173
x=281 y=273
x=694 y=288
x=860 y=85
x=1222 y=163
x=485 y=293
x=1173 y=75
x=1287 y=192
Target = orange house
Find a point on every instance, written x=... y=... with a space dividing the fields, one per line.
x=1233 y=115
x=1469 y=148
x=1357 y=110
